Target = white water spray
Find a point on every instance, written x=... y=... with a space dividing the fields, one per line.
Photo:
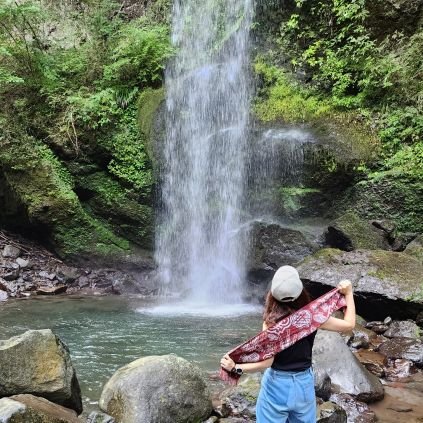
x=203 y=180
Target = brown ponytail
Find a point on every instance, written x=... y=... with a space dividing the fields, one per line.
x=275 y=310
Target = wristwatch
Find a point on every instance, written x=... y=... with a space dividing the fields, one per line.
x=237 y=370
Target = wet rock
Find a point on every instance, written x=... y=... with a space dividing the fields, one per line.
x=357 y=411
x=212 y=419
x=383 y=280
x=9 y=251
x=46 y=275
x=240 y=401
x=361 y=337
x=387 y=321
x=51 y=290
x=399 y=369
x=11 y=276
x=404 y=328
x=377 y=327
x=83 y=282
x=157 y=389
x=322 y=383
x=38 y=362
x=373 y=361
x=377 y=341
x=68 y=274
x=3 y=295
x=329 y=412
x=96 y=417
x=22 y=263
x=274 y=246
x=125 y=284
x=346 y=372
x=349 y=232
x=28 y=408
x=406 y=348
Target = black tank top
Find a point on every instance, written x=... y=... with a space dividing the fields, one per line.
x=297 y=357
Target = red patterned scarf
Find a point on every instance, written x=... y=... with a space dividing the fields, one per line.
x=285 y=333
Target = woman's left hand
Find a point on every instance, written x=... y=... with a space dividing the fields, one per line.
x=227 y=363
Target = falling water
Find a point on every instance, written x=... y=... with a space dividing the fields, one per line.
x=199 y=247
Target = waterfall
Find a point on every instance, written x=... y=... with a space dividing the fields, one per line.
x=200 y=247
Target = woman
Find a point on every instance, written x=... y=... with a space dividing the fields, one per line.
x=287 y=388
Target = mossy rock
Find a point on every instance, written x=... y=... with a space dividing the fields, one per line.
x=350 y=232
x=44 y=189
x=386 y=196
x=151 y=121
x=385 y=282
x=118 y=206
x=415 y=248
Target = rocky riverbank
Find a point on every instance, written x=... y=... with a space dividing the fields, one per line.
x=358 y=375
x=28 y=269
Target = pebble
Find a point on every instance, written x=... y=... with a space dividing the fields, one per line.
x=11 y=252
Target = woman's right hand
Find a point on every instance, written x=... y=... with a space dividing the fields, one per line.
x=345 y=287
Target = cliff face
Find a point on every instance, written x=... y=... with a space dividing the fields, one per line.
x=353 y=70
x=74 y=171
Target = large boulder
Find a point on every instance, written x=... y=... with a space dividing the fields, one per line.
x=28 y=408
x=240 y=401
x=157 y=389
x=415 y=248
x=350 y=232
x=382 y=280
x=38 y=362
x=403 y=348
x=273 y=246
x=347 y=375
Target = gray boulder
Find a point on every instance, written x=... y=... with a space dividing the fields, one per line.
x=402 y=328
x=273 y=246
x=347 y=375
x=403 y=348
x=38 y=362
x=350 y=232
x=28 y=408
x=157 y=389
x=10 y=251
x=383 y=279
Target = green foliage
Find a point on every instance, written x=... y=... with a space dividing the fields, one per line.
x=77 y=96
x=130 y=161
x=138 y=56
x=285 y=99
x=407 y=161
x=346 y=68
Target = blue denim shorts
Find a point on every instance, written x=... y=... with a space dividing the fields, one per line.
x=286 y=397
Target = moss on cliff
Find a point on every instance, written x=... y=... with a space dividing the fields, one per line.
x=45 y=189
x=396 y=198
x=119 y=206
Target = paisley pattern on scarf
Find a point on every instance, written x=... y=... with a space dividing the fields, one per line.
x=285 y=333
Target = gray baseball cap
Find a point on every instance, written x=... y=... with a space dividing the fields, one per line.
x=286 y=284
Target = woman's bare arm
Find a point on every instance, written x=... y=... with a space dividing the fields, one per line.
x=348 y=322
x=228 y=364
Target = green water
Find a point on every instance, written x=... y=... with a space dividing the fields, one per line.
x=105 y=333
